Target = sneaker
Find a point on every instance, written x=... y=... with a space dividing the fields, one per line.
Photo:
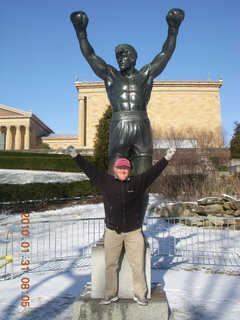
x=141 y=301
x=108 y=300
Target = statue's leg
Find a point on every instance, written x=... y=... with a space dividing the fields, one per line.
x=142 y=154
x=112 y=158
x=119 y=145
x=141 y=164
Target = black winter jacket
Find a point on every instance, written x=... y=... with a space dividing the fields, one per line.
x=122 y=199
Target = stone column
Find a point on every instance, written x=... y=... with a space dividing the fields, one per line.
x=27 y=137
x=18 y=138
x=8 y=138
x=82 y=123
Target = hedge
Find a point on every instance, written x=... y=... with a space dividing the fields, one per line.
x=47 y=191
x=39 y=161
x=30 y=154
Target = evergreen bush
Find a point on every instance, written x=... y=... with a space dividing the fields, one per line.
x=43 y=146
x=235 y=142
x=101 y=141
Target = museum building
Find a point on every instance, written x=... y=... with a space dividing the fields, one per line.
x=173 y=104
x=20 y=130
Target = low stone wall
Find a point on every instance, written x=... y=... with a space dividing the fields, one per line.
x=224 y=207
x=234 y=165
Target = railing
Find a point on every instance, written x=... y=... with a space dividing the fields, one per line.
x=197 y=240
x=43 y=243
x=53 y=245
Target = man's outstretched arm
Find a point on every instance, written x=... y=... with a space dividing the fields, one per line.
x=90 y=170
x=80 y=21
x=152 y=173
x=174 y=19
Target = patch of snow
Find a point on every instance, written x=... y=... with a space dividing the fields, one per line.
x=34 y=176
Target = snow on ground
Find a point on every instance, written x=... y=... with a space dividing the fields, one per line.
x=192 y=295
x=78 y=211
x=200 y=296
x=33 y=176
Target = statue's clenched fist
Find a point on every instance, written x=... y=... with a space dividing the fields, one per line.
x=175 y=17
x=79 y=20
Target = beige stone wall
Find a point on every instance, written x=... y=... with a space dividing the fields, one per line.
x=173 y=104
x=95 y=102
x=60 y=143
x=184 y=104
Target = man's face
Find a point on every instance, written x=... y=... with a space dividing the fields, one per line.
x=122 y=172
x=124 y=60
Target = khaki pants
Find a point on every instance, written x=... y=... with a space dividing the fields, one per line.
x=135 y=250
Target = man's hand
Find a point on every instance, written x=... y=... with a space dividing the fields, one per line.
x=170 y=153
x=175 y=17
x=71 y=151
x=79 y=20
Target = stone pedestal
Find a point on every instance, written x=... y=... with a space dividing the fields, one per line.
x=86 y=308
x=125 y=290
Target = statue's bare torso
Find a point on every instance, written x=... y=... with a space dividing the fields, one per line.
x=129 y=93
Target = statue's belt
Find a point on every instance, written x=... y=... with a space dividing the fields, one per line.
x=129 y=115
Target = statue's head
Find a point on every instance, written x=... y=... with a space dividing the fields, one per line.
x=125 y=52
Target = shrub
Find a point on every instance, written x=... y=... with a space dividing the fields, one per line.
x=190 y=187
x=235 y=142
x=43 y=146
x=39 y=161
x=194 y=173
x=46 y=191
x=101 y=141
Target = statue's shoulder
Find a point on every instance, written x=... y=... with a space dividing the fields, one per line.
x=112 y=71
x=145 y=70
x=111 y=76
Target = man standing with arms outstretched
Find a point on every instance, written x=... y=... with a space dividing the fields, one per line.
x=122 y=195
x=129 y=92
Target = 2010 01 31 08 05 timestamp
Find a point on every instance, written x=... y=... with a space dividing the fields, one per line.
x=25 y=260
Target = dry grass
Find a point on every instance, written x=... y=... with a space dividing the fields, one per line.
x=193 y=187
x=194 y=174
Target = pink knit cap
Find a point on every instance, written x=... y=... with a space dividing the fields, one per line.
x=122 y=162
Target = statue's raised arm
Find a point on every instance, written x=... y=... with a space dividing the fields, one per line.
x=174 y=19
x=80 y=21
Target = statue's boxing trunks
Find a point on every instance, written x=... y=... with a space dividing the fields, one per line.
x=130 y=135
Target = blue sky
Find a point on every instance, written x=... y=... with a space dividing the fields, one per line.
x=40 y=56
